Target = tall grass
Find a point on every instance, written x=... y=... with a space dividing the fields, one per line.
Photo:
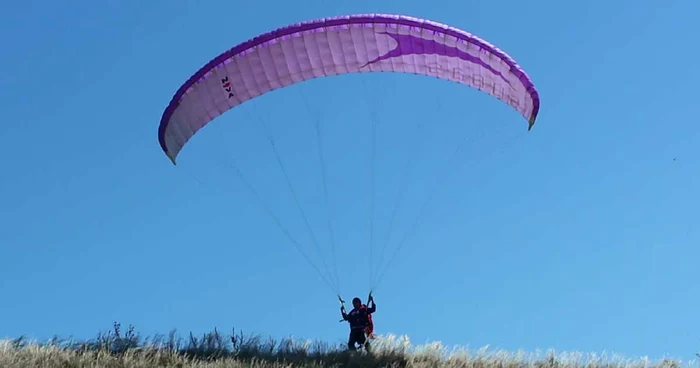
x=215 y=350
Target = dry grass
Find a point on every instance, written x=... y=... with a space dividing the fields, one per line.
x=214 y=350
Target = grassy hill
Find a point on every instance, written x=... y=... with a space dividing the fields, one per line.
x=215 y=350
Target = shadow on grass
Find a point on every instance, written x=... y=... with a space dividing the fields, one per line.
x=215 y=346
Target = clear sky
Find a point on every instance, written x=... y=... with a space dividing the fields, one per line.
x=578 y=235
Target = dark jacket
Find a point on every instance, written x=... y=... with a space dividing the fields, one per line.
x=358 y=318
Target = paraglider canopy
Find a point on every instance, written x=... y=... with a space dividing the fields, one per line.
x=346 y=44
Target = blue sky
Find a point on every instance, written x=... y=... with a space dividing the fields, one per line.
x=575 y=236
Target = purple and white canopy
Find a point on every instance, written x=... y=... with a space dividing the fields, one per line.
x=347 y=44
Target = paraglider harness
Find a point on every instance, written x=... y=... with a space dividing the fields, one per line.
x=369 y=328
